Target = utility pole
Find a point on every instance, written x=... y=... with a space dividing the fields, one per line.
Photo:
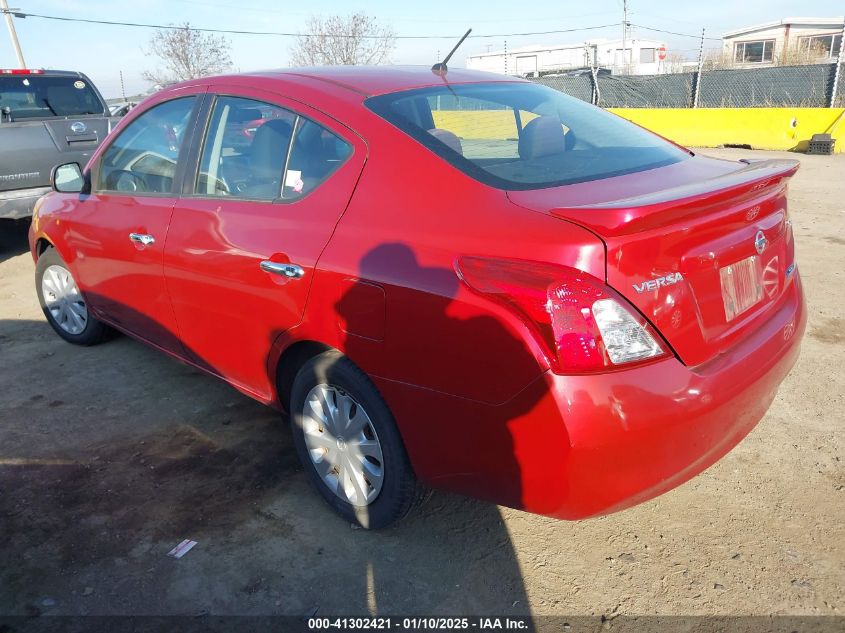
x=624 y=32
x=839 y=59
x=697 y=88
x=7 y=13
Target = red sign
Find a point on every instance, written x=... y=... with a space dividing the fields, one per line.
x=661 y=53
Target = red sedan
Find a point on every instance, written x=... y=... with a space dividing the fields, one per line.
x=452 y=280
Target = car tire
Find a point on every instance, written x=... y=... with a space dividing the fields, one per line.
x=63 y=304
x=347 y=471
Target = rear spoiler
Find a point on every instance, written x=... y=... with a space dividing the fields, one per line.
x=762 y=173
x=653 y=210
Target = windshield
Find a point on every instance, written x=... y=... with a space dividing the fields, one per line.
x=38 y=96
x=522 y=135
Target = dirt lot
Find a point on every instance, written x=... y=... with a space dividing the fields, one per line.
x=112 y=455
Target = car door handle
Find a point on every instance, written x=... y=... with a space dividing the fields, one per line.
x=142 y=238
x=291 y=271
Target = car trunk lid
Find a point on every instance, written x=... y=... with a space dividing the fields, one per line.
x=703 y=248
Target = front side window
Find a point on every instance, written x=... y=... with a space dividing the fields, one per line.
x=522 y=135
x=754 y=52
x=142 y=159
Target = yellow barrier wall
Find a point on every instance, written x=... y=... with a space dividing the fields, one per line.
x=761 y=128
x=480 y=124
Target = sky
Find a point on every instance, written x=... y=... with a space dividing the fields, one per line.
x=103 y=51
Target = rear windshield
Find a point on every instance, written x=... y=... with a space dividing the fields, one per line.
x=522 y=135
x=42 y=97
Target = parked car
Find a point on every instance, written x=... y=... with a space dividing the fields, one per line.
x=122 y=108
x=47 y=117
x=527 y=300
x=243 y=123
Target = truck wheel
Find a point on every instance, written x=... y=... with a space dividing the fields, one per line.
x=63 y=304
x=349 y=445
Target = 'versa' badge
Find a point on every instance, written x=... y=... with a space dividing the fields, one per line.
x=654 y=284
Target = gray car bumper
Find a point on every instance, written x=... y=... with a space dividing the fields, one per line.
x=19 y=203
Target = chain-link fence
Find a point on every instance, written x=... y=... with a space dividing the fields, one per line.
x=806 y=86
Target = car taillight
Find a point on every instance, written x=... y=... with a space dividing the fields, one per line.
x=580 y=322
x=21 y=71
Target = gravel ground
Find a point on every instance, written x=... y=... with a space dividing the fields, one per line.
x=110 y=456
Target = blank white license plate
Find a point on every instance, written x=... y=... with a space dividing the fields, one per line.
x=741 y=286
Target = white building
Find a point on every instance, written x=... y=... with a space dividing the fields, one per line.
x=640 y=57
x=798 y=39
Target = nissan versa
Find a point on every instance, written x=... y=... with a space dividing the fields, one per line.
x=449 y=279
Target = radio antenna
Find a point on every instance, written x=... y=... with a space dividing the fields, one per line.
x=440 y=67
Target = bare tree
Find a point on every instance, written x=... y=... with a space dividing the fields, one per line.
x=187 y=54
x=798 y=55
x=675 y=63
x=344 y=40
x=717 y=59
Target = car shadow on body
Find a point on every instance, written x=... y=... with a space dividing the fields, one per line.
x=467 y=364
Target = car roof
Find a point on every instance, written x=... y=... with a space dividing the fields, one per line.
x=373 y=80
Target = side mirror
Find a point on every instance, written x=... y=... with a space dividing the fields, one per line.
x=67 y=178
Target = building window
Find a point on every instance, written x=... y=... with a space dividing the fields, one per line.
x=647 y=55
x=820 y=45
x=754 y=52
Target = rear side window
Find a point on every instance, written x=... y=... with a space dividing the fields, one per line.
x=245 y=149
x=43 y=97
x=316 y=154
x=142 y=159
x=522 y=135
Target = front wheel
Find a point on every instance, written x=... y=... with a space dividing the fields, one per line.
x=349 y=445
x=63 y=304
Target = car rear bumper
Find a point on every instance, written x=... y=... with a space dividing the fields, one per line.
x=571 y=447
x=19 y=203
x=636 y=434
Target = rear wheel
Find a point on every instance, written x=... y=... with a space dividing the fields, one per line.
x=63 y=304
x=348 y=443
